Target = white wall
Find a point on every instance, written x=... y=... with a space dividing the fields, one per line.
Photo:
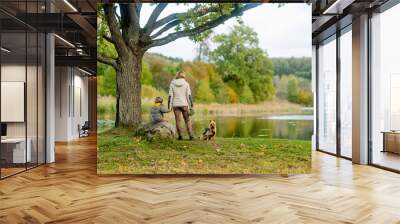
x=12 y=73
x=33 y=126
x=62 y=81
x=71 y=102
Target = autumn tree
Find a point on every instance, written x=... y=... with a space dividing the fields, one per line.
x=122 y=42
x=243 y=65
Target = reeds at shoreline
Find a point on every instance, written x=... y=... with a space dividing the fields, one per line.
x=106 y=108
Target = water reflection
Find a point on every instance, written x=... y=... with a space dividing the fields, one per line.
x=285 y=127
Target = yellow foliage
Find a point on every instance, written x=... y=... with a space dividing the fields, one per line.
x=149 y=92
x=233 y=96
x=197 y=69
x=305 y=97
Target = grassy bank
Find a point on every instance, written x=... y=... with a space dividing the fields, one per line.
x=120 y=152
x=106 y=108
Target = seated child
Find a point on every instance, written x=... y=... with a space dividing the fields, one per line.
x=157 y=123
x=157 y=111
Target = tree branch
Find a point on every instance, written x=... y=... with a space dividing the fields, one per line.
x=134 y=17
x=174 y=19
x=165 y=28
x=208 y=25
x=109 y=39
x=129 y=24
x=113 y=26
x=175 y=16
x=138 y=8
x=108 y=61
x=154 y=16
x=167 y=19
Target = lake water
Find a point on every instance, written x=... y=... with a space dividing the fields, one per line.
x=265 y=126
x=268 y=126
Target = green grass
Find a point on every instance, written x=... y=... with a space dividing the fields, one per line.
x=120 y=152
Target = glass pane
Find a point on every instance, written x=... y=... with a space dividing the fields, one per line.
x=41 y=99
x=346 y=94
x=22 y=88
x=32 y=98
x=327 y=97
x=386 y=89
x=14 y=151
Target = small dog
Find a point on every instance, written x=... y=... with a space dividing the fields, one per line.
x=210 y=132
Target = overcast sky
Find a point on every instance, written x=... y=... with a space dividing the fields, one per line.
x=283 y=31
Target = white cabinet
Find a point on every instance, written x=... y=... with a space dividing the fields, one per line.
x=19 y=155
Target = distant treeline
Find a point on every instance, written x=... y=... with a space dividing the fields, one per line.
x=299 y=67
x=236 y=71
x=292 y=79
x=159 y=70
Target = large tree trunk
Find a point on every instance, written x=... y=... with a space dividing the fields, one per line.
x=129 y=91
x=117 y=106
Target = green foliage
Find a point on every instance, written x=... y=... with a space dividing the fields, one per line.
x=206 y=82
x=241 y=62
x=162 y=68
x=106 y=108
x=219 y=89
x=103 y=46
x=263 y=89
x=191 y=19
x=204 y=93
x=292 y=90
x=147 y=76
x=101 y=111
x=106 y=80
x=300 y=67
x=247 y=95
x=238 y=71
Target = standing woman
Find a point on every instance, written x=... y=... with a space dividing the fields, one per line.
x=180 y=100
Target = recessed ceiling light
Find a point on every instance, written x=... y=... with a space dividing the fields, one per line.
x=70 y=5
x=5 y=50
x=84 y=71
x=337 y=7
x=64 y=40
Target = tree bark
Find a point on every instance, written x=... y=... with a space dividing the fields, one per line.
x=129 y=90
x=117 y=105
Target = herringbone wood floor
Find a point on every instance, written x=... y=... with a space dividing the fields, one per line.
x=69 y=191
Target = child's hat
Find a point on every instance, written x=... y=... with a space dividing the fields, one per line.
x=158 y=99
